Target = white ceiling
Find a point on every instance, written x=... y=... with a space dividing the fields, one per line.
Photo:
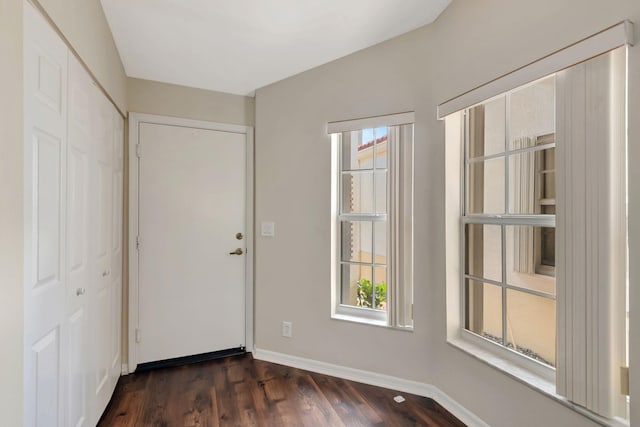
x=237 y=46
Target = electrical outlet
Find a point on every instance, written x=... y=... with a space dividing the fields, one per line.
x=287 y=329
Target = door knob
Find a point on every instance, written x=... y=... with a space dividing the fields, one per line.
x=105 y=273
x=80 y=291
x=238 y=251
x=239 y=236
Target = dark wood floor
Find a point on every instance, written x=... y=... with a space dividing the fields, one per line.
x=240 y=391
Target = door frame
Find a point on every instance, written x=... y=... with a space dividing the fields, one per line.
x=135 y=119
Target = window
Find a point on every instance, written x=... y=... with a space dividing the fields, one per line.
x=540 y=225
x=509 y=221
x=373 y=197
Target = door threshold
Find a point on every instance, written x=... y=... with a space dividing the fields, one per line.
x=187 y=360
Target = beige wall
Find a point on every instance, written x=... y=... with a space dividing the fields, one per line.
x=11 y=223
x=84 y=25
x=144 y=96
x=473 y=42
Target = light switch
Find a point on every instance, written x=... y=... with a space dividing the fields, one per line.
x=268 y=229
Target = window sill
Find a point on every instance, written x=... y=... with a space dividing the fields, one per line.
x=365 y=321
x=529 y=378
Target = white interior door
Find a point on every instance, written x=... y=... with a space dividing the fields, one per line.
x=192 y=192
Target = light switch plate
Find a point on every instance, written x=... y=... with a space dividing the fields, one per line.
x=268 y=229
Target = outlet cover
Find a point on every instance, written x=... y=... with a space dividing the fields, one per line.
x=287 y=329
x=268 y=229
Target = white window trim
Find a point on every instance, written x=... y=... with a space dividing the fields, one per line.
x=527 y=376
x=602 y=42
x=538 y=377
x=406 y=118
x=389 y=318
x=608 y=39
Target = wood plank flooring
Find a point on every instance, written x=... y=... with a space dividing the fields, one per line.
x=241 y=391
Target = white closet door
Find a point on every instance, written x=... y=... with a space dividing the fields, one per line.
x=73 y=226
x=116 y=248
x=45 y=84
x=78 y=266
x=101 y=330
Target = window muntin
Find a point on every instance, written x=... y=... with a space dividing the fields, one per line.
x=373 y=224
x=509 y=221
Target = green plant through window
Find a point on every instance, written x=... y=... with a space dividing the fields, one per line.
x=365 y=294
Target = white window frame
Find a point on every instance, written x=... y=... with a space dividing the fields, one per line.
x=502 y=220
x=494 y=354
x=399 y=220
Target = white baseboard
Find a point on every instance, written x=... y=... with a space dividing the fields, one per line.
x=125 y=369
x=372 y=378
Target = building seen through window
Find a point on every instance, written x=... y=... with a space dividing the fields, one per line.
x=510 y=287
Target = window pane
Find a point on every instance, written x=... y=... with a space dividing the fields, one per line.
x=487 y=129
x=483 y=309
x=546 y=170
x=532 y=112
x=531 y=258
x=381 y=148
x=547 y=239
x=485 y=186
x=354 y=277
x=354 y=154
x=484 y=251
x=358 y=147
x=381 y=192
x=532 y=182
x=357 y=192
x=380 y=231
x=377 y=296
x=531 y=326
x=357 y=241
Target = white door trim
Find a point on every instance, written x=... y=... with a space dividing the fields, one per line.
x=135 y=119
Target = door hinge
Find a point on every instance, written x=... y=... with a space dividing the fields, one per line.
x=137 y=335
x=137 y=242
x=624 y=380
x=138 y=150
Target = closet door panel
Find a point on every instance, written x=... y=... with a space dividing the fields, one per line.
x=47 y=411
x=102 y=234
x=103 y=343
x=76 y=399
x=45 y=86
x=116 y=247
x=78 y=216
x=78 y=276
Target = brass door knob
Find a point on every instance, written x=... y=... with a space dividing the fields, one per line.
x=238 y=251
